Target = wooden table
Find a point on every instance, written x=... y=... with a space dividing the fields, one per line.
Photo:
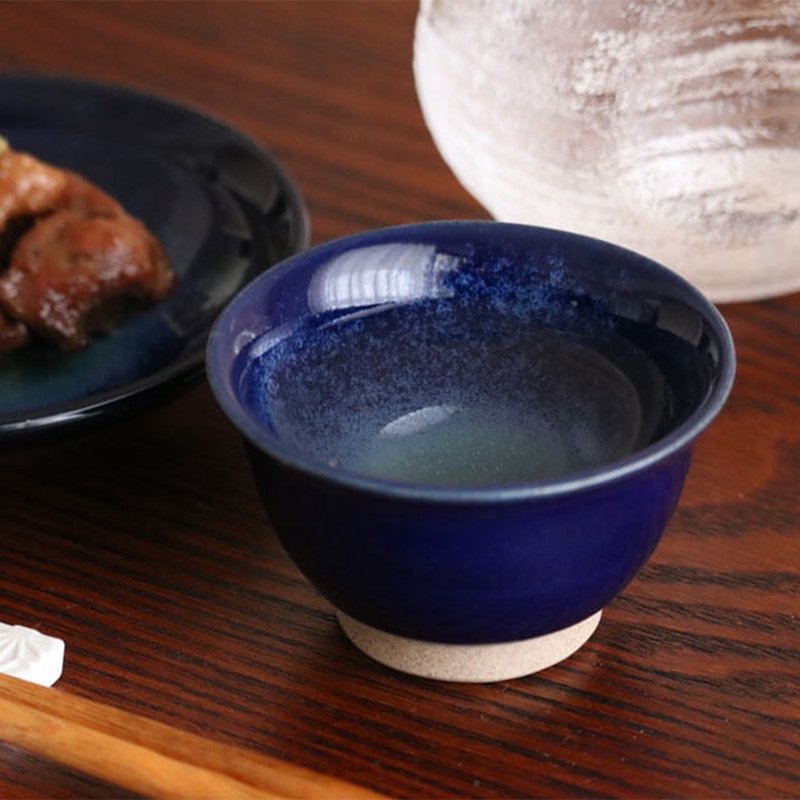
x=144 y=545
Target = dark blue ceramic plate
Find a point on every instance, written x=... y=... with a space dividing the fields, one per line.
x=221 y=206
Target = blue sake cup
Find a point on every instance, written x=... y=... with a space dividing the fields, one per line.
x=469 y=436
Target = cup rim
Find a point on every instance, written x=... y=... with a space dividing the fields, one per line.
x=220 y=357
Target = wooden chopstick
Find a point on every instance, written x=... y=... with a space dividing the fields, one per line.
x=148 y=757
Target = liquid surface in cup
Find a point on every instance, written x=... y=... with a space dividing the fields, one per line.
x=499 y=435
x=435 y=394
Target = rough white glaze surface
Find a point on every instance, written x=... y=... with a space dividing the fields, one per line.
x=29 y=655
x=480 y=663
x=671 y=127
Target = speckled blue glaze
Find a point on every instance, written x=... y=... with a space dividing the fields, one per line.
x=367 y=334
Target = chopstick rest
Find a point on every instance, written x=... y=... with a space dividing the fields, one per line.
x=29 y=655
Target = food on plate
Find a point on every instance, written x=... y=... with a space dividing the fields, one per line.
x=13 y=334
x=72 y=261
x=70 y=275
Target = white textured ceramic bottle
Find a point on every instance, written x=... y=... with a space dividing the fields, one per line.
x=671 y=127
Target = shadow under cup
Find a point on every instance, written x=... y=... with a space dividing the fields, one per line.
x=470 y=434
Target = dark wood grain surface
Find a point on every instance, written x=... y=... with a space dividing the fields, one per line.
x=144 y=545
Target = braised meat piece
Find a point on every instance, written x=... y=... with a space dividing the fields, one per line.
x=27 y=186
x=13 y=334
x=72 y=261
x=71 y=275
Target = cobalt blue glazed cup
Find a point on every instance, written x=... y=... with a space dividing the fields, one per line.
x=469 y=436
